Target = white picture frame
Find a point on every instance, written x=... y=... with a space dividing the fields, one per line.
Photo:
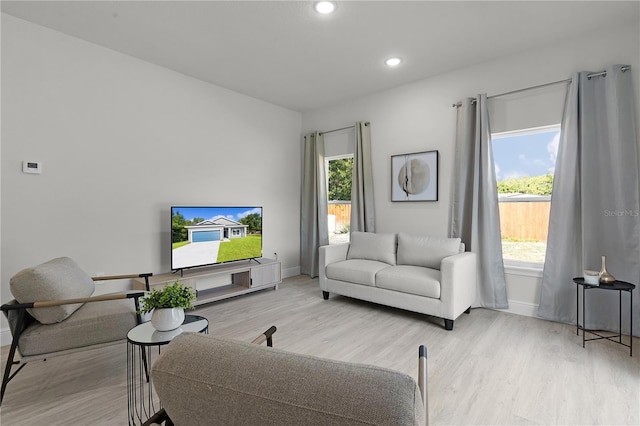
x=414 y=177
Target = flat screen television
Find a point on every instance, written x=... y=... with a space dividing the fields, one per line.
x=202 y=236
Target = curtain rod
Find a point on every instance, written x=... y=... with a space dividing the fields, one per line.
x=539 y=86
x=343 y=128
x=604 y=73
x=589 y=76
x=337 y=130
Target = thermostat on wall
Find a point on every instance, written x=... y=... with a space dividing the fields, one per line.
x=32 y=167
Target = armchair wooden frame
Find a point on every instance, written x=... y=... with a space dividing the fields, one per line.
x=422 y=380
x=23 y=319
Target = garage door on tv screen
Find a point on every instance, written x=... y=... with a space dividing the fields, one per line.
x=202 y=236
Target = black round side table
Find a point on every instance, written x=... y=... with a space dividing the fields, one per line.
x=618 y=286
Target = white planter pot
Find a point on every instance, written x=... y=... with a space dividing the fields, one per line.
x=167 y=318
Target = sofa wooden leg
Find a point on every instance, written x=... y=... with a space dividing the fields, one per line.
x=448 y=324
x=325 y=295
x=468 y=311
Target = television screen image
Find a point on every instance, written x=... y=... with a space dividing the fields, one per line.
x=203 y=236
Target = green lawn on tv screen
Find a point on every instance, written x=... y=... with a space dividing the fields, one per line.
x=240 y=248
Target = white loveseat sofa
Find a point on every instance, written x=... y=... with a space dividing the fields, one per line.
x=429 y=275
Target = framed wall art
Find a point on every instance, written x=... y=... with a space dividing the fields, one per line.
x=414 y=177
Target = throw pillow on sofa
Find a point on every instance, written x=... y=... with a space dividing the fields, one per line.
x=373 y=246
x=425 y=251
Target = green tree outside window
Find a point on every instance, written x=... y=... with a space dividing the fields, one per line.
x=340 y=172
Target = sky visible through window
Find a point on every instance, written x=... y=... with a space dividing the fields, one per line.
x=531 y=153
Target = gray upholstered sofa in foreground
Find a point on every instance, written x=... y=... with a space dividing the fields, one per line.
x=429 y=275
x=203 y=380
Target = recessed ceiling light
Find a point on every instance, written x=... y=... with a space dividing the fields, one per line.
x=393 y=62
x=324 y=7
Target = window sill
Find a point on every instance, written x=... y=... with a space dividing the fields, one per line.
x=525 y=269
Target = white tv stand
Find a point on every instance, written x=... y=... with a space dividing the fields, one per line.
x=221 y=281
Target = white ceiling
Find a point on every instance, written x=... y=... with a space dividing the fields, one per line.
x=284 y=53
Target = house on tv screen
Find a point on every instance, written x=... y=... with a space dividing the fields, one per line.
x=217 y=229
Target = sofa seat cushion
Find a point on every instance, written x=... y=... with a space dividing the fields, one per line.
x=56 y=279
x=357 y=271
x=410 y=279
x=425 y=251
x=94 y=323
x=372 y=246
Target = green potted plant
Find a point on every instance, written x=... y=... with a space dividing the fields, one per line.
x=168 y=305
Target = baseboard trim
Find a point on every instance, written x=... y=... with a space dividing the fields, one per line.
x=521 y=308
x=291 y=272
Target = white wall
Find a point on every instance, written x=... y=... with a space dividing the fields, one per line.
x=419 y=117
x=122 y=140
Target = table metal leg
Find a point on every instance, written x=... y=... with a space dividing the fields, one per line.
x=146 y=368
x=631 y=323
x=577 y=309
x=620 y=321
x=140 y=401
x=584 y=325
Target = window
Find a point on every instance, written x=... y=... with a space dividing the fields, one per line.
x=524 y=165
x=339 y=173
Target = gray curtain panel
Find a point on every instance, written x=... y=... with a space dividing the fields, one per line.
x=362 y=205
x=314 y=230
x=474 y=210
x=595 y=207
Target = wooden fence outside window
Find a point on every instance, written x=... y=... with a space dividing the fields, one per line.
x=524 y=220
x=519 y=220
x=339 y=215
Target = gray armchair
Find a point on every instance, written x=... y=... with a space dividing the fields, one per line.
x=201 y=379
x=55 y=313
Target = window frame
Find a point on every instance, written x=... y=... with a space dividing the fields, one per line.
x=522 y=267
x=326 y=169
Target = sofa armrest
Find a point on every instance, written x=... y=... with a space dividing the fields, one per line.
x=330 y=254
x=458 y=283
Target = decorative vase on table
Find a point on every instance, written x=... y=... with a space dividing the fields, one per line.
x=165 y=319
x=605 y=276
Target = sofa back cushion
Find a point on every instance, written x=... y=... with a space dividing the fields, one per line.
x=56 y=279
x=373 y=246
x=198 y=381
x=425 y=251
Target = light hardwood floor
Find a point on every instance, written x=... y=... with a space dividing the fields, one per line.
x=493 y=368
